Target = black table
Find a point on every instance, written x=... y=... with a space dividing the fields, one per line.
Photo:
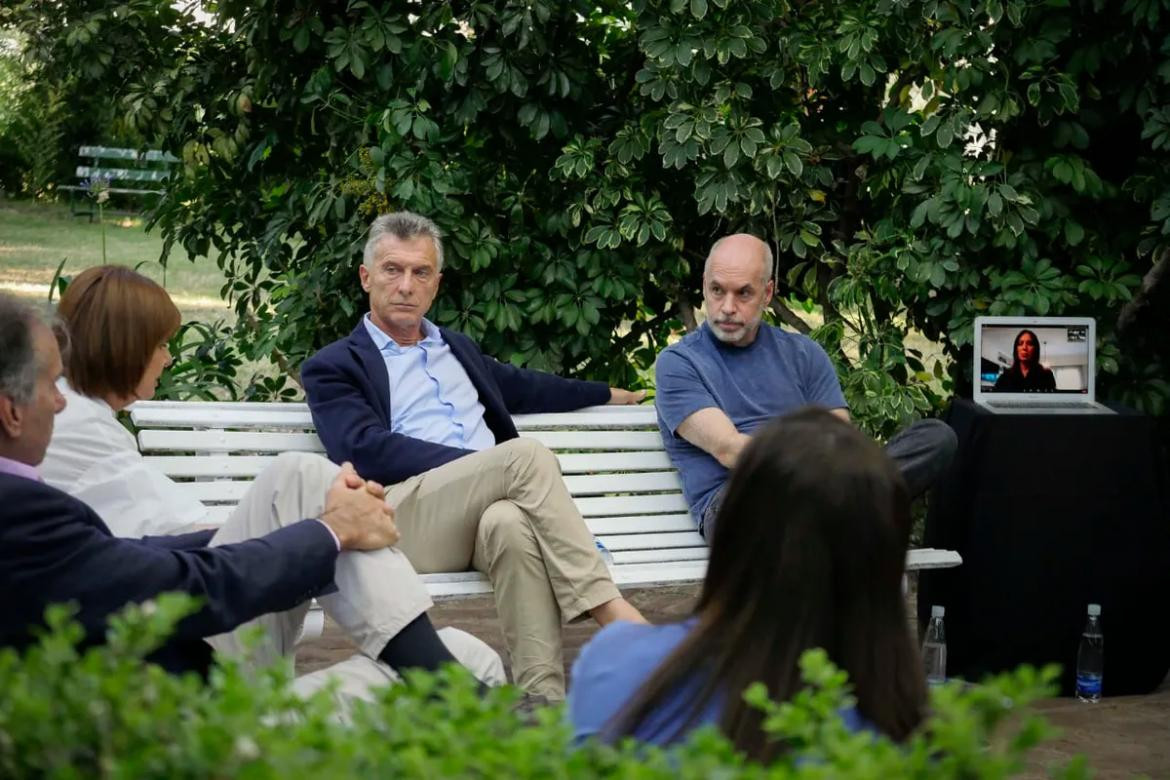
x=1051 y=512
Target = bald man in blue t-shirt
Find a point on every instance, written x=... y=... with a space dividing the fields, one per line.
x=735 y=373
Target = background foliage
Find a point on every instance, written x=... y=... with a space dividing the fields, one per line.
x=915 y=164
x=45 y=116
x=68 y=712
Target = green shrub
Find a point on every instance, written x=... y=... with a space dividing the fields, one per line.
x=68 y=712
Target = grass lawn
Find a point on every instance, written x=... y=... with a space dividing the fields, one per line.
x=35 y=237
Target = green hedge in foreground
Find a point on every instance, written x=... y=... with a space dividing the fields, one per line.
x=70 y=713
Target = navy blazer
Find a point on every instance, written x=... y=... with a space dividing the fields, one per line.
x=349 y=395
x=54 y=548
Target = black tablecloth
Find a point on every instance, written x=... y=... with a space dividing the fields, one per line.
x=1050 y=513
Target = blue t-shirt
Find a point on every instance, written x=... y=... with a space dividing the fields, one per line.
x=619 y=659
x=614 y=664
x=777 y=373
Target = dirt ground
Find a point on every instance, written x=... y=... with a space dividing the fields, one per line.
x=1122 y=737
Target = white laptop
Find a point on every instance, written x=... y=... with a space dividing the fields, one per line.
x=1036 y=365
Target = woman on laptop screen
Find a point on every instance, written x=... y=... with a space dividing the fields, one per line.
x=1026 y=375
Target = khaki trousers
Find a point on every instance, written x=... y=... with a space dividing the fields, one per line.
x=378 y=592
x=505 y=511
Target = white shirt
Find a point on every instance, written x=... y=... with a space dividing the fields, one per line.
x=96 y=460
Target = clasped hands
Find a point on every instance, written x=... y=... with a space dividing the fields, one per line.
x=356 y=510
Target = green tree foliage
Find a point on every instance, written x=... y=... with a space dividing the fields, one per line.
x=915 y=163
x=70 y=712
x=12 y=88
x=45 y=114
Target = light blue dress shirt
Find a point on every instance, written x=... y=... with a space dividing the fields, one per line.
x=431 y=396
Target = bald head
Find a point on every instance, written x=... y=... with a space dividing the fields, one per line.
x=741 y=249
x=737 y=285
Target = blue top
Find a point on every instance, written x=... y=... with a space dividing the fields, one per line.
x=431 y=396
x=777 y=373
x=616 y=662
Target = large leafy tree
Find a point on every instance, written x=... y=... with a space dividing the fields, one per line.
x=914 y=163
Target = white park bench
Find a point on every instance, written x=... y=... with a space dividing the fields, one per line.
x=612 y=457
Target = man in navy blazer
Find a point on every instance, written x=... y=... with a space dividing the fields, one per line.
x=54 y=548
x=423 y=410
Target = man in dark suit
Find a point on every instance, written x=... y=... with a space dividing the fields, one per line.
x=261 y=568
x=423 y=410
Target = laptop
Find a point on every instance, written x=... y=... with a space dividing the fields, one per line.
x=1036 y=365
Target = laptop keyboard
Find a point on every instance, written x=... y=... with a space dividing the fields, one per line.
x=1041 y=404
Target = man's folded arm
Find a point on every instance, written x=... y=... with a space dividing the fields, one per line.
x=713 y=431
x=690 y=411
x=352 y=430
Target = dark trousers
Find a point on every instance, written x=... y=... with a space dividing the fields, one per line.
x=922 y=452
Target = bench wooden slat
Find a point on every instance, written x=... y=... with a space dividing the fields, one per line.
x=929 y=558
x=597 y=440
x=625 y=575
x=597 y=506
x=916 y=560
x=114 y=190
x=641 y=524
x=155 y=414
x=645 y=482
x=591 y=417
x=221 y=490
x=659 y=556
x=581 y=463
x=199 y=414
x=221 y=466
x=121 y=174
x=227 y=407
x=281 y=441
x=637 y=574
x=631 y=505
x=239 y=466
x=658 y=541
x=111 y=153
x=227 y=441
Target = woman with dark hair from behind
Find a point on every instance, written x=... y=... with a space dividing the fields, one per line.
x=808 y=551
x=1026 y=375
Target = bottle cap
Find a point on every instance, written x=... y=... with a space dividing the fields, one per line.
x=938 y=611
x=1094 y=610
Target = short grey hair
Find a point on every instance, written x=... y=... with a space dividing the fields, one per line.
x=769 y=261
x=403 y=225
x=19 y=362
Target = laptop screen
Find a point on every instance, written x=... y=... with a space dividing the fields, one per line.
x=1034 y=359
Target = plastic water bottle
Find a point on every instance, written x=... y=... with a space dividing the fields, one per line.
x=934 y=648
x=1091 y=658
x=606 y=555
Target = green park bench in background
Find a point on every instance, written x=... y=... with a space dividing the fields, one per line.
x=128 y=171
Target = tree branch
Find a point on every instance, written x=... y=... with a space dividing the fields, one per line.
x=1156 y=282
x=637 y=330
x=276 y=356
x=789 y=317
x=686 y=313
